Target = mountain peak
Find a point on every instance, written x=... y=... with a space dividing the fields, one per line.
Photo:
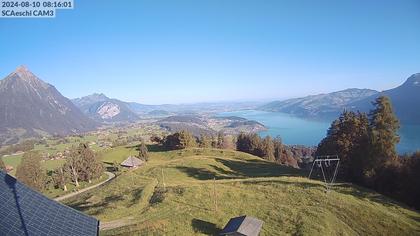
x=413 y=80
x=24 y=73
x=97 y=96
x=21 y=69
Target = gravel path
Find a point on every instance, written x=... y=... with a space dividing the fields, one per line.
x=110 y=177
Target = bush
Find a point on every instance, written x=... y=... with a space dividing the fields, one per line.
x=178 y=190
x=158 y=196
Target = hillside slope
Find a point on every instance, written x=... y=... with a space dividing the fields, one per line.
x=30 y=105
x=321 y=106
x=195 y=204
x=405 y=100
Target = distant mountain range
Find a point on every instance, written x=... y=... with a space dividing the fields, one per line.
x=321 y=106
x=30 y=107
x=103 y=109
x=405 y=100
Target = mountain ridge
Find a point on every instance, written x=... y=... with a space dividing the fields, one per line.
x=405 y=100
x=320 y=106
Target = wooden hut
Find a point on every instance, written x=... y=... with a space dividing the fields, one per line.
x=243 y=226
x=132 y=162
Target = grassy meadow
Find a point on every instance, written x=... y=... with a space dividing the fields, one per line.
x=196 y=191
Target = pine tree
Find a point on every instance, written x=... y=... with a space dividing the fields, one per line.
x=30 y=171
x=383 y=127
x=143 y=152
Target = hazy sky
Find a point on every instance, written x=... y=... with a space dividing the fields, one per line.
x=193 y=51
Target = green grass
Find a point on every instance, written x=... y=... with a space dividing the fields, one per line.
x=118 y=154
x=288 y=203
x=57 y=192
x=14 y=161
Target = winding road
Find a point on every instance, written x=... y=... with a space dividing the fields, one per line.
x=110 y=177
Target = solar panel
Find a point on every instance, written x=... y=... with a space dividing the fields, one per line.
x=24 y=211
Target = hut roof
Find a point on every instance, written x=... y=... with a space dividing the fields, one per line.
x=24 y=211
x=244 y=225
x=132 y=162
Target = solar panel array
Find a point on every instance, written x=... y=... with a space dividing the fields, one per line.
x=24 y=211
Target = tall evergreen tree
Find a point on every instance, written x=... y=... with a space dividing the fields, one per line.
x=30 y=171
x=383 y=127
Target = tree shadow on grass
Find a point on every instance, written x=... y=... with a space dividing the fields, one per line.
x=240 y=169
x=257 y=168
x=137 y=194
x=82 y=204
x=199 y=173
x=368 y=194
x=304 y=185
x=205 y=227
x=150 y=147
x=156 y=148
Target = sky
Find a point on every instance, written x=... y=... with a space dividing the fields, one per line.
x=188 y=51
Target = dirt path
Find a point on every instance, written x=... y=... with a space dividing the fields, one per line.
x=110 y=177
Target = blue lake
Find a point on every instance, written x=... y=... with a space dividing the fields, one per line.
x=294 y=130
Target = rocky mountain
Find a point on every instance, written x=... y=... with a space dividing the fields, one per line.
x=405 y=100
x=321 y=106
x=103 y=109
x=29 y=106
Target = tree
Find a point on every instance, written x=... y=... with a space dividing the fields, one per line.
x=268 y=148
x=143 y=152
x=205 y=141
x=91 y=168
x=74 y=165
x=220 y=139
x=180 y=140
x=60 y=178
x=187 y=139
x=347 y=137
x=2 y=165
x=30 y=171
x=243 y=143
x=229 y=142
x=383 y=130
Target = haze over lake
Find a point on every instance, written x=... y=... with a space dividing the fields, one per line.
x=295 y=130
